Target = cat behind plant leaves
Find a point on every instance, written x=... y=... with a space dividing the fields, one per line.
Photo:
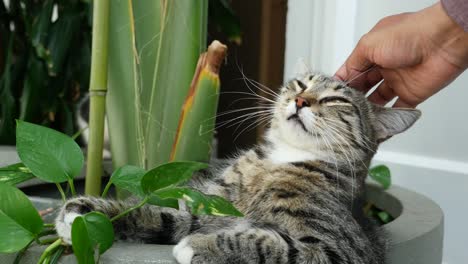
x=300 y=190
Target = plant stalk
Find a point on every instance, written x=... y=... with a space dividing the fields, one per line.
x=62 y=193
x=97 y=93
x=124 y=213
x=71 y=184
x=49 y=250
x=21 y=253
x=106 y=189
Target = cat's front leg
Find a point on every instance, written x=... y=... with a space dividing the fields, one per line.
x=149 y=224
x=242 y=244
x=79 y=206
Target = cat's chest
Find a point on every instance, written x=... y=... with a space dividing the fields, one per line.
x=290 y=155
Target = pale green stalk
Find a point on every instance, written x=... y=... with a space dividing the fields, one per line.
x=154 y=47
x=97 y=91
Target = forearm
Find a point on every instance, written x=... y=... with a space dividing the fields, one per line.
x=458 y=11
x=446 y=34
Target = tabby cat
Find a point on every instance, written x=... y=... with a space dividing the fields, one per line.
x=301 y=190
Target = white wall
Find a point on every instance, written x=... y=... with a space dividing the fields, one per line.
x=432 y=157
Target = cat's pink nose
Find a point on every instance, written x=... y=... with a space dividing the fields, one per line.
x=301 y=102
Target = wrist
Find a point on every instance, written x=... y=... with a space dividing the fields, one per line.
x=447 y=35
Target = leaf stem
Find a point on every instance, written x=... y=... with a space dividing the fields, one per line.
x=21 y=253
x=72 y=187
x=47 y=241
x=124 y=213
x=49 y=250
x=106 y=189
x=58 y=253
x=77 y=134
x=50 y=225
x=46 y=233
x=62 y=193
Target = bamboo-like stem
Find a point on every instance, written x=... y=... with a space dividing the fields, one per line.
x=97 y=92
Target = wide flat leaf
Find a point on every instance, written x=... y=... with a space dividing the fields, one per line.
x=382 y=175
x=19 y=220
x=15 y=174
x=61 y=34
x=49 y=154
x=129 y=178
x=169 y=202
x=91 y=232
x=169 y=174
x=194 y=133
x=200 y=203
x=223 y=17
x=153 y=52
x=8 y=106
x=35 y=84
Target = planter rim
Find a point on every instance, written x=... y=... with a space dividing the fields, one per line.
x=408 y=206
x=416 y=234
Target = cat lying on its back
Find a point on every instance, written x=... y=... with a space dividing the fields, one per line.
x=297 y=190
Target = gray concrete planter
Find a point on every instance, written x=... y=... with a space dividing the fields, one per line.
x=416 y=234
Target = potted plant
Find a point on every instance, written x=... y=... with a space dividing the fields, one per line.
x=403 y=205
x=44 y=63
x=56 y=158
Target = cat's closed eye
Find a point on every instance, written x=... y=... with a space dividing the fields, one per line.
x=331 y=100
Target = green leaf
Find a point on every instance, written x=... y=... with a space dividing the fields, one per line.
x=61 y=35
x=200 y=203
x=223 y=17
x=169 y=174
x=194 y=134
x=381 y=174
x=8 y=106
x=145 y=70
x=91 y=232
x=19 y=220
x=129 y=178
x=41 y=27
x=35 y=84
x=49 y=154
x=15 y=174
x=155 y=200
x=384 y=216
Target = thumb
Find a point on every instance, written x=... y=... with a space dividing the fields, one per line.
x=356 y=63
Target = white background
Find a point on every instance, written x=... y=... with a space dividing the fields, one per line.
x=432 y=157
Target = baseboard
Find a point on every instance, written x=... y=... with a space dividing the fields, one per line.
x=424 y=162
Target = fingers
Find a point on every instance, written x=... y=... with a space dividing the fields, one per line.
x=402 y=103
x=356 y=63
x=365 y=81
x=382 y=95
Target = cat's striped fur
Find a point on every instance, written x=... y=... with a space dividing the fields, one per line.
x=300 y=191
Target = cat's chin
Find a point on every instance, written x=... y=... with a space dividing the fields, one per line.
x=297 y=122
x=291 y=145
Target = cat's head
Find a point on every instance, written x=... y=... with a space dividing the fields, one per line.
x=319 y=114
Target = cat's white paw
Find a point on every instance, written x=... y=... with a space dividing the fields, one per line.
x=63 y=226
x=183 y=252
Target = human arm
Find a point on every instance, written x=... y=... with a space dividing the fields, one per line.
x=416 y=54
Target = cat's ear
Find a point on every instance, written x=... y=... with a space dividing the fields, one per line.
x=301 y=68
x=391 y=121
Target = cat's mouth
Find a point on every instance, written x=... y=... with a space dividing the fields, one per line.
x=296 y=118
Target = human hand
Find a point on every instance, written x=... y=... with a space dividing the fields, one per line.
x=416 y=55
